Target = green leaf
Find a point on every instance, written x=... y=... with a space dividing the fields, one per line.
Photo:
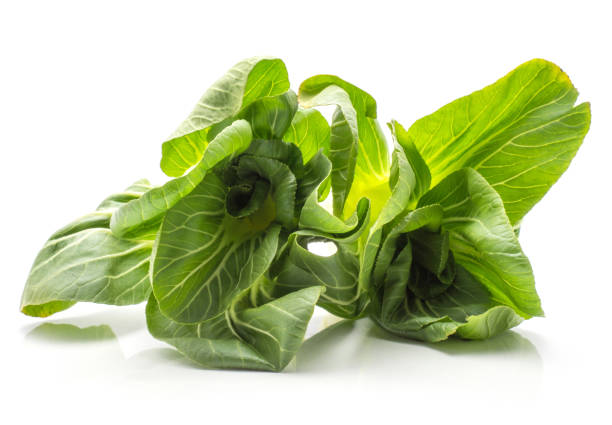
x=435 y=319
x=483 y=241
x=271 y=117
x=84 y=261
x=316 y=173
x=384 y=280
x=139 y=216
x=417 y=163
x=403 y=182
x=276 y=329
x=338 y=273
x=243 y=84
x=358 y=150
x=490 y=323
x=282 y=179
x=464 y=307
x=201 y=252
x=452 y=266
x=314 y=216
x=212 y=234
x=248 y=336
x=310 y=131
x=519 y=133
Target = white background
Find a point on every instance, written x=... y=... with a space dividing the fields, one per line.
x=89 y=90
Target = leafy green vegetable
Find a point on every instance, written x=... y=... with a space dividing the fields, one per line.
x=452 y=261
x=426 y=239
x=216 y=244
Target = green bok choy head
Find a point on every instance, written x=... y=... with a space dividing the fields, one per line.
x=426 y=237
x=210 y=268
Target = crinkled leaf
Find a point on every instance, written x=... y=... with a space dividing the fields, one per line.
x=314 y=216
x=248 y=336
x=519 y=133
x=461 y=309
x=483 y=241
x=389 y=290
x=466 y=307
x=282 y=180
x=84 y=261
x=490 y=323
x=270 y=117
x=201 y=251
x=316 y=172
x=418 y=290
x=247 y=81
x=338 y=273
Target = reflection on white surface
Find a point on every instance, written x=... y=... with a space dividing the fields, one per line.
x=351 y=358
x=104 y=356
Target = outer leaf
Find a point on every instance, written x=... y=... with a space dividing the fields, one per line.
x=246 y=82
x=489 y=324
x=276 y=329
x=264 y=337
x=461 y=309
x=84 y=261
x=201 y=252
x=483 y=241
x=520 y=133
x=465 y=308
x=140 y=215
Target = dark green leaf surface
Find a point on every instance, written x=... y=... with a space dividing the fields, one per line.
x=84 y=261
x=453 y=266
x=200 y=253
x=230 y=219
x=338 y=273
x=465 y=307
x=249 y=336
